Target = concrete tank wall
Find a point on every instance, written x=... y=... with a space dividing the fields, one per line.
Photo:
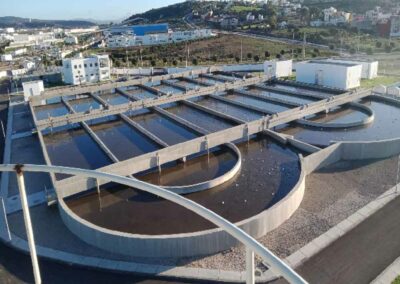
x=183 y=245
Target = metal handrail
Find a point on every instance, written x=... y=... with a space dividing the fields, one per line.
x=276 y=265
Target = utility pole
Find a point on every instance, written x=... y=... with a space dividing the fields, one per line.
x=304 y=45
x=241 y=50
x=292 y=45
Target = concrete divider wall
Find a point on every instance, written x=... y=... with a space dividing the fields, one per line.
x=369 y=119
x=188 y=244
x=186 y=189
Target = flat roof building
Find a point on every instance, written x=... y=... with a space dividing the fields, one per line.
x=327 y=73
x=91 y=69
x=369 y=67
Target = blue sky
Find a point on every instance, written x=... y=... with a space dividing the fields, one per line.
x=74 y=9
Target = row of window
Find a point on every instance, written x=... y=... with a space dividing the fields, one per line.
x=85 y=65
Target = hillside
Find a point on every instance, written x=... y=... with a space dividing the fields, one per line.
x=355 y=6
x=175 y=11
x=18 y=22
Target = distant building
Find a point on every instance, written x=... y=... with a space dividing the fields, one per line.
x=334 y=17
x=395 y=26
x=71 y=40
x=229 y=23
x=20 y=51
x=331 y=74
x=9 y=30
x=278 y=68
x=6 y=57
x=32 y=88
x=250 y=17
x=29 y=65
x=91 y=69
x=139 y=30
x=150 y=35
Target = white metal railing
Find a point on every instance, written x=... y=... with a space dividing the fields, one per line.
x=276 y=265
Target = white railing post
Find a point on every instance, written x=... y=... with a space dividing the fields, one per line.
x=250 y=279
x=28 y=224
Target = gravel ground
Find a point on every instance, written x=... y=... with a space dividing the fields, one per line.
x=332 y=194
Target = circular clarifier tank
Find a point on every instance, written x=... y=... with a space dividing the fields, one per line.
x=268 y=172
x=386 y=125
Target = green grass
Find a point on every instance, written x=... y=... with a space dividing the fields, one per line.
x=239 y=9
x=382 y=80
x=397 y=280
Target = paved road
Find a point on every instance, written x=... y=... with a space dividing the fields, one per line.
x=362 y=254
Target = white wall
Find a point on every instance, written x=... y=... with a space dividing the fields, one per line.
x=331 y=75
x=33 y=88
x=369 y=68
x=278 y=69
x=83 y=70
x=6 y=57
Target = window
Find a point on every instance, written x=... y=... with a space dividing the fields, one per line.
x=80 y=65
x=85 y=65
x=91 y=64
x=96 y=64
x=76 y=76
x=75 y=66
x=91 y=75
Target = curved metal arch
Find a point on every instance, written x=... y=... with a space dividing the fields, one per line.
x=277 y=266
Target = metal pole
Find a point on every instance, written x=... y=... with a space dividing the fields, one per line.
x=250 y=279
x=28 y=224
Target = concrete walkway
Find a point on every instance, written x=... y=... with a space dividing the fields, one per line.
x=360 y=255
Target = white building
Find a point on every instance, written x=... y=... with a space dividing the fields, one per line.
x=334 y=17
x=9 y=30
x=20 y=51
x=124 y=40
x=6 y=57
x=369 y=68
x=278 y=69
x=29 y=65
x=71 y=40
x=32 y=88
x=86 y=70
x=331 y=74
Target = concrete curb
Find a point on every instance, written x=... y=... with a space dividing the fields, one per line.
x=389 y=274
x=334 y=233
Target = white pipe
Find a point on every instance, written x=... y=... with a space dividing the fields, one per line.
x=277 y=266
x=28 y=226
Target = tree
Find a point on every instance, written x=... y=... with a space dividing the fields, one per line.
x=267 y=54
x=164 y=60
x=195 y=61
x=174 y=62
x=278 y=56
x=153 y=63
x=378 y=44
x=282 y=52
x=237 y=59
x=249 y=55
x=256 y=58
x=214 y=58
x=331 y=46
